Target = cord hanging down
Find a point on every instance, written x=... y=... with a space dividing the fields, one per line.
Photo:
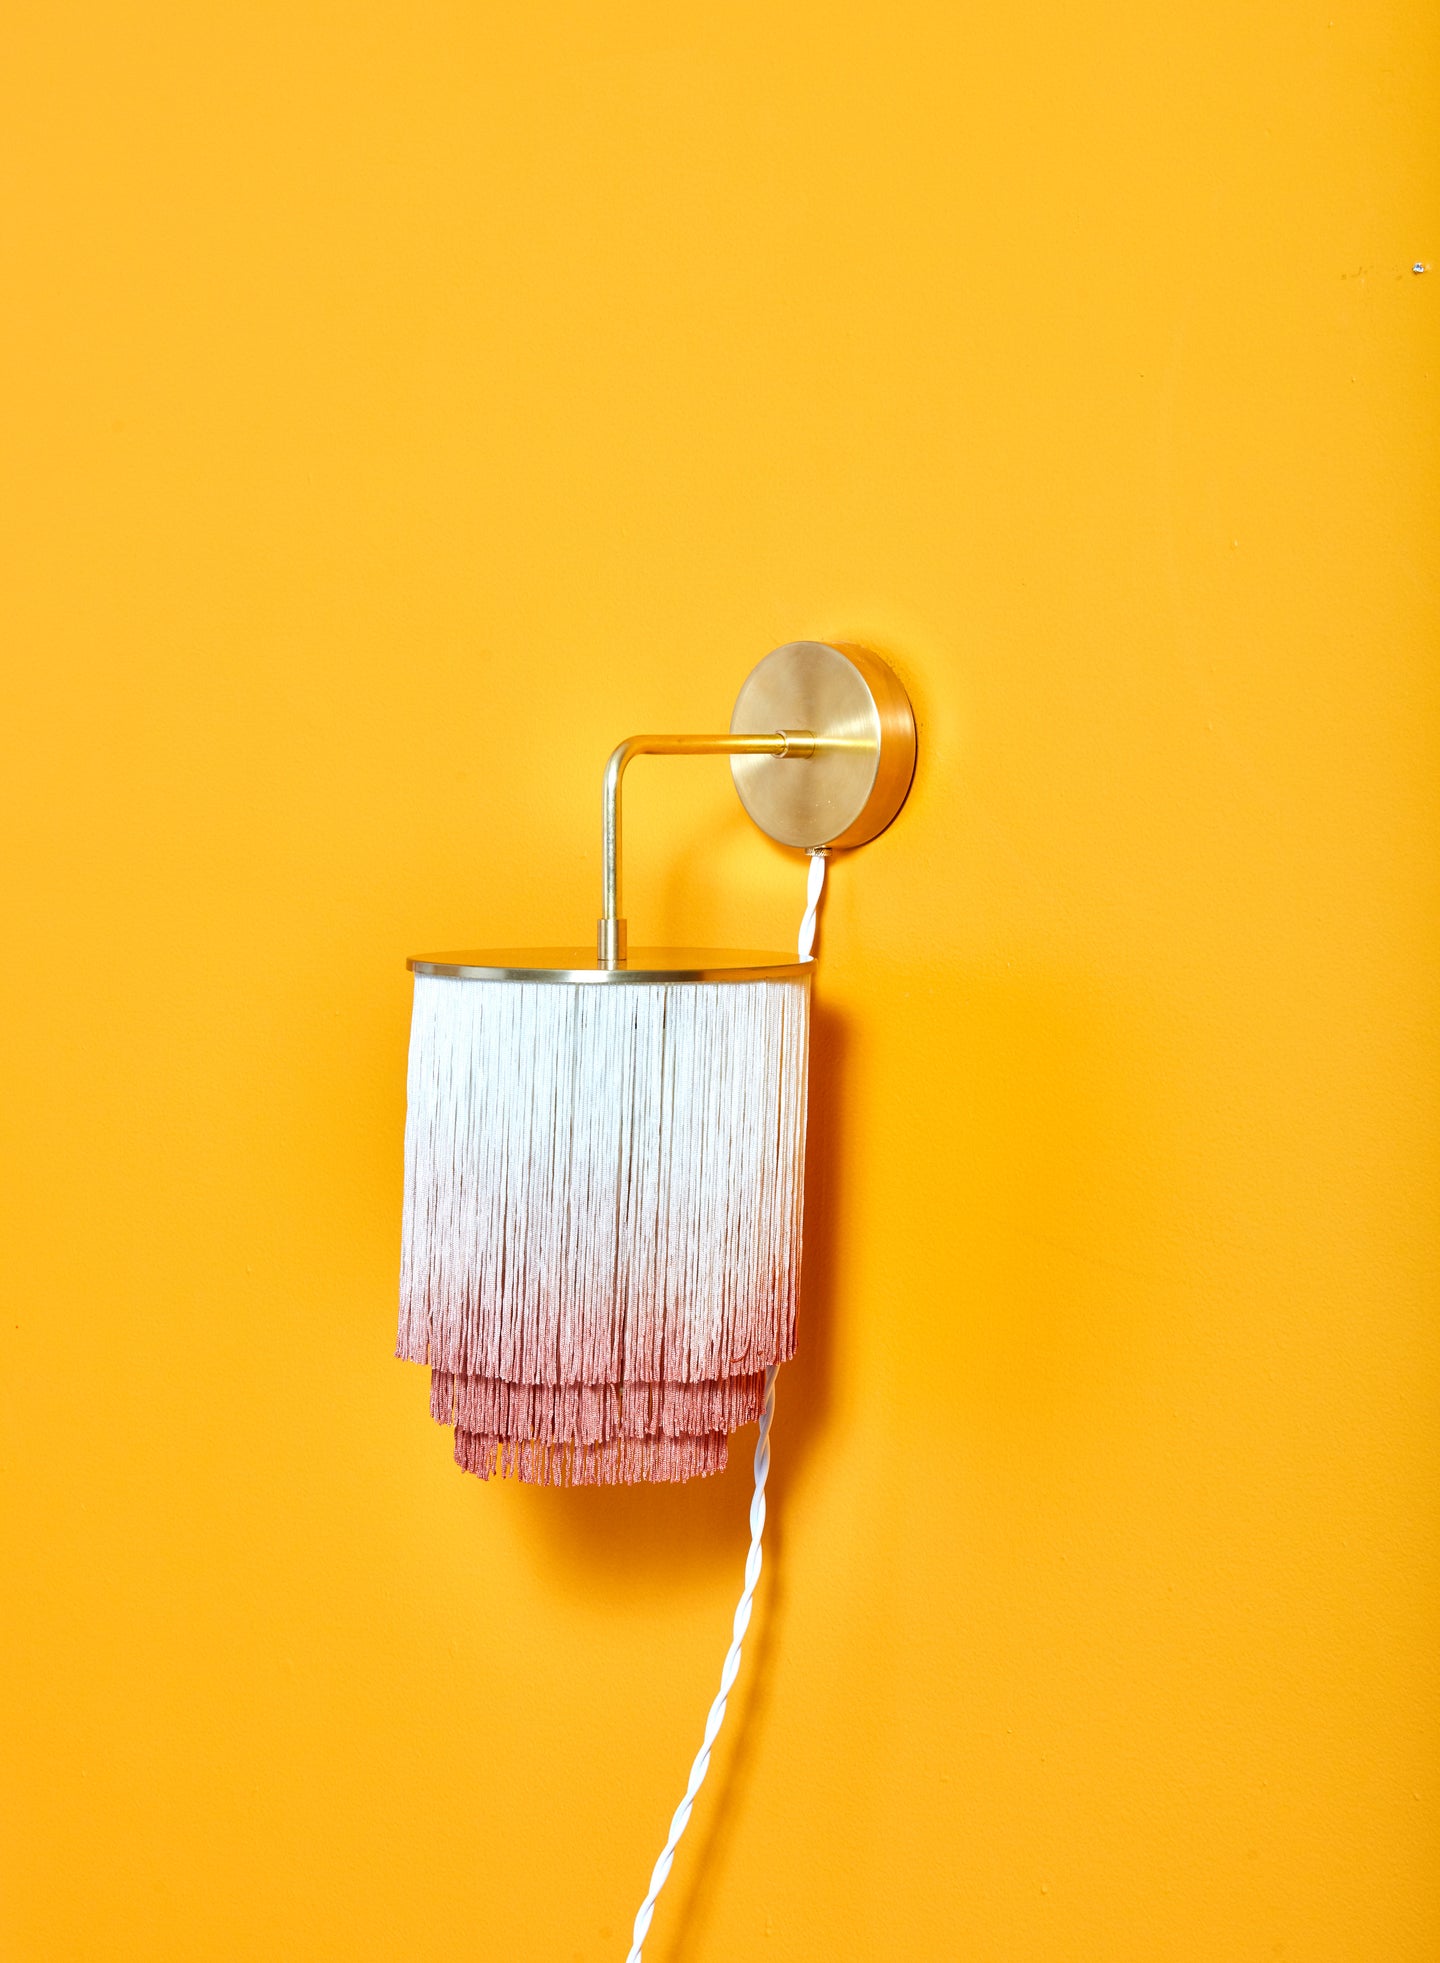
x=730 y=1669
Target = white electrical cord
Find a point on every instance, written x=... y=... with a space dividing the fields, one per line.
x=728 y=1674
x=730 y=1669
x=814 y=887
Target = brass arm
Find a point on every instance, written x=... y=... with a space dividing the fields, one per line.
x=611 y=936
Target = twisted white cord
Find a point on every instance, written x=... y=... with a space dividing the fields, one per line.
x=730 y=1669
x=814 y=887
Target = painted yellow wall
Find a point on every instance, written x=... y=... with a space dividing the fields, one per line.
x=401 y=403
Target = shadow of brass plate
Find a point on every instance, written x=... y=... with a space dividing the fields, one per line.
x=645 y=965
x=837 y=797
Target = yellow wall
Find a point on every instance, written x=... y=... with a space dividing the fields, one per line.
x=400 y=403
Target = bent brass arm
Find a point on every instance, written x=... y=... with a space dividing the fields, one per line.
x=611 y=934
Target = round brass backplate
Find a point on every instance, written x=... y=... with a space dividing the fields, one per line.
x=859 y=775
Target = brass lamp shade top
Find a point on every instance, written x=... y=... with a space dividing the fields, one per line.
x=643 y=965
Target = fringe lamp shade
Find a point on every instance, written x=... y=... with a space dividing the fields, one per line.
x=603 y=1204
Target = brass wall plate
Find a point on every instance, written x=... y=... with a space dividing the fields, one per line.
x=855 y=783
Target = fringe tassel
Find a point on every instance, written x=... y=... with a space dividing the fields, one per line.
x=591 y=1414
x=620 y=1462
x=603 y=1184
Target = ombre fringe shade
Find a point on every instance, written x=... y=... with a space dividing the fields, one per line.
x=602 y=1225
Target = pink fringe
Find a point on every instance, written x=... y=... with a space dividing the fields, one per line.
x=593 y=1414
x=620 y=1462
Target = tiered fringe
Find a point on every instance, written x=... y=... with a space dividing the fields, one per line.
x=593 y=1414
x=603 y=1193
x=621 y=1462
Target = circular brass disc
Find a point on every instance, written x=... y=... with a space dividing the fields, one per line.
x=839 y=796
